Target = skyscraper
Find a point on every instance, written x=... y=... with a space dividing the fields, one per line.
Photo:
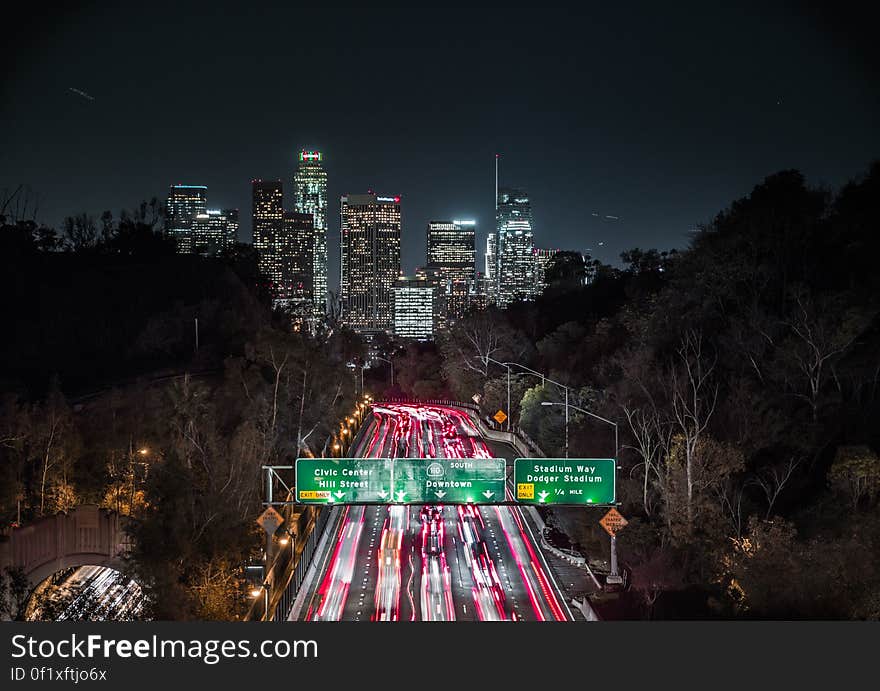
x=451 y=254
x=543 y=257
x=214 y=231
x=490 y=274
x=310 y=197
x=452 y=250
x=294 y=249
x=184 y=202
x=231 y=226
x=268 y=225
x=414 y=308
x=514 y=263
x=370 y=260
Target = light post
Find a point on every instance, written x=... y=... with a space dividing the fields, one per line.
x=287 y=536
x=506 y=366
x=544 y=380
x=266 y=601
x=614 y=576
x=585 y=412
x=388 y=360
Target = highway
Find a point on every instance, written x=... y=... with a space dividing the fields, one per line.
x=95 y=593
x=428 y=562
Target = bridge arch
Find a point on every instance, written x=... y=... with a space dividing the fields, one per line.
x=87 y=535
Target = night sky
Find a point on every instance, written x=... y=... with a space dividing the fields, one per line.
x=658 y=115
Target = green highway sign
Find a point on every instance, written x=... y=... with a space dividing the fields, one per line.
x=449 y=480
x=565 y=480
x=343 y=480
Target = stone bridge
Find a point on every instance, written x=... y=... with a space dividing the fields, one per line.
x=85 y=535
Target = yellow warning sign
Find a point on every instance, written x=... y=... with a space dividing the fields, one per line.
x=314 y=494
x=613 y=522
x=525 y=490
x=500 y=417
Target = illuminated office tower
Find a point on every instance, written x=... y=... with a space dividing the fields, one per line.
x=214 y=231
x=183 y=204
x=543 y=257
x=478 y=298
x=231 y=226
x=310 y=197
x=514 y=263
x=294 y=251
x=414 y=308
x=452 y=250
x=490 y=278
x=452 y=255
x=268 y=226
x=370 y=260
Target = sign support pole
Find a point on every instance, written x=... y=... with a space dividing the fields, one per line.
x=614 y=573
x=509 y=414
x=614 y=577
x=566 y=423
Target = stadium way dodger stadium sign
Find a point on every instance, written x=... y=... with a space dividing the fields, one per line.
x=565 y=480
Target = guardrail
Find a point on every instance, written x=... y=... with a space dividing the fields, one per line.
x=291 y=590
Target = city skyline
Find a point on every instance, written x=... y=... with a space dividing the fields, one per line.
x=632 y=156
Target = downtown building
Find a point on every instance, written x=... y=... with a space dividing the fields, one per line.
x=451 y=255
x=542 y=258
x=414 y=307
x=295 y=256
x=310 y=197
x=183 y=204
x=214 y=231
x=514 y=265
x=491 y=268
x=369 y=260
x=267 y=215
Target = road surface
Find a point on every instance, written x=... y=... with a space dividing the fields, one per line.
x=432 y=562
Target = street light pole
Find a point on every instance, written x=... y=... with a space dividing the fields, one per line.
x=614 y=576
x=388 y=360
x=566 y=422
x=506 y=366
x=586 y=412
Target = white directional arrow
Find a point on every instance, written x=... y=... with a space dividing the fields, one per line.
x=488 y=494
x=542 y=495
x=440 y=494
x=339 y=495
x=383 y=494
x=400 y=495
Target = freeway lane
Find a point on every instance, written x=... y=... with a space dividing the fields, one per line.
x=410 y=563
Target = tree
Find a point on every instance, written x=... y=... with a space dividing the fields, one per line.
x=651 y=435
x=495 y=395
x=468 y=346
x=762 y=568
x=693 y=401
x=15 y=589
x=54 y=444
x=773 y=479
x=539 y=422
x=822 y=331
x=80 y=232
x=855 y=474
